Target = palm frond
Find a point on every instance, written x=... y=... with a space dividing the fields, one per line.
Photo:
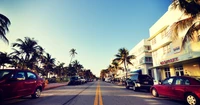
x=191 y=7
x=190 y=33
x=179 y=26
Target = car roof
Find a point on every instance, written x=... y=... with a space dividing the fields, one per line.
x=15 y=70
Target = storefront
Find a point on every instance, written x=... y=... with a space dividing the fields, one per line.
x=174 y=67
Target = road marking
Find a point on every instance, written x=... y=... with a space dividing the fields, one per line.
x=98 y=97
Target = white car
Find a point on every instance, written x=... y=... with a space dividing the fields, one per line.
x=108 y=79
x=83 y=80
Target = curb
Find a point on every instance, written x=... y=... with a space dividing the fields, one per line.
x=52 y=87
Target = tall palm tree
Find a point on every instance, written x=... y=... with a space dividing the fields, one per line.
x=71 y=71
x=4 y=23
x=27 y=49
x=190 y=8
x=123 y=57
x=72 y=54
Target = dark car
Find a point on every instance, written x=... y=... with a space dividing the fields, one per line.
x=75 y=80
x=139 y=81
x=186 y=88
x=18 y=83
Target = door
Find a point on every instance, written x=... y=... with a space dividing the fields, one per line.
x=30 y=83
x=179 y=87
x=14 y=86
x=166 y=87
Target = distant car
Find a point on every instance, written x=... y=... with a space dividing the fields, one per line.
x=139 y=81
x=108 y=79
x=18 y=83
x=83 y=80
x=186 y=88
x=75 y=80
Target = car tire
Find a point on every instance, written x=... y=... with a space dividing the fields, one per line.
x=154 y=92
x=192 y=99
x=37 y=93
x=135 y=88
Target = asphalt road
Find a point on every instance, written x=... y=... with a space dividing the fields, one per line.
x=93 y=93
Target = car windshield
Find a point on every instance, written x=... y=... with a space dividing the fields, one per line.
x=134 y=77
x=145 y=77
x=74 y=78
x=3 y=73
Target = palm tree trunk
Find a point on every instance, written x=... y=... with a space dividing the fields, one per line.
x=70 y=60
x=125 y=68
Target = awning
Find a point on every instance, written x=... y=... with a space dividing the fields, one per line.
x=135 y=72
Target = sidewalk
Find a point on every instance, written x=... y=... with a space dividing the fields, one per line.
x=55 y=85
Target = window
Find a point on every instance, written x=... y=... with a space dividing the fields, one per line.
x=148 y=59
x=19 y=76
x=179 y=70
x=167 y=72
x=31 y=75
x=163 y=34
x=168 y=81
x=181 y=81
x=187 y=82
x=3 y=73
x=147 y=48
x=153 y=41
x=166 y=49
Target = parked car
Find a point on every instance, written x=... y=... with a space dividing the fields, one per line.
x=18 y=83
x=139 y=81
x=75 y=80
x=83 y=80
x=186 y=88
x=108 y=79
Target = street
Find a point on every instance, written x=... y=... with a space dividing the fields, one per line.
x=93 y=93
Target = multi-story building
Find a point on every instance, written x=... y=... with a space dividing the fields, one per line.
x=170 y=58
x=143 y=58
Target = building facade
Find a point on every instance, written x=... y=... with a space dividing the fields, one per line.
x=170 y=58
x=143 y=60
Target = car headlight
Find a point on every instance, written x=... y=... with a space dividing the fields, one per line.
x=138 y=84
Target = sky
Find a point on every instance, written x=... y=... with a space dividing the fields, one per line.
x=97 y=29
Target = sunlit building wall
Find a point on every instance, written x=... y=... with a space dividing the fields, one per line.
x=169 y=57
x=143 y=58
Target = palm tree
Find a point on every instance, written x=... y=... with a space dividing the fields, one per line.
x=103 y=73
x=27 y=50
x=190 y=8
x=116 y=67
x=71 y=71
x=4 y=23
x=48 y=63
x=59 y=70
x=124 y=57
x=72 y=54
x=4 y=59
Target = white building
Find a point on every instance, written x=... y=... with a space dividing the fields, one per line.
x=169 y=57
x=143 y=60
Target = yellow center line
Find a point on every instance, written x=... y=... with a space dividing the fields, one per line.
x=98 y=97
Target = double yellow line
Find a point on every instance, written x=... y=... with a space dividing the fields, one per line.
x=98 y=98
